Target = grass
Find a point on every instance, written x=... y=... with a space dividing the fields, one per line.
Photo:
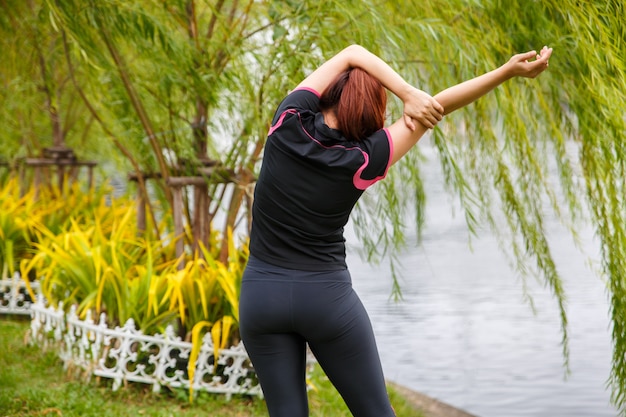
x=33 y=383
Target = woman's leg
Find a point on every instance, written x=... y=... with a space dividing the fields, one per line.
x=279 y=361
x=340 y=335
x=277 y=354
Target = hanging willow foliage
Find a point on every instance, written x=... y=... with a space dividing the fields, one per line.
x=173 y=77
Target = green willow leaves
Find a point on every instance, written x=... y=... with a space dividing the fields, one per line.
x=148 y=82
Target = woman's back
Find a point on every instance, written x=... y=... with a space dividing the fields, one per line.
x=309 y=182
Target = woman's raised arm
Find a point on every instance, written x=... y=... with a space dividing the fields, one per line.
x=462 y=94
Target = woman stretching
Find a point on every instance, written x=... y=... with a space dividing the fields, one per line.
x=326 y=145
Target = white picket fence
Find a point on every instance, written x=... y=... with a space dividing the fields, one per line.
x=125 y=354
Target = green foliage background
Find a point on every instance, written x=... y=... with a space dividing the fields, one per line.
x=129 y=82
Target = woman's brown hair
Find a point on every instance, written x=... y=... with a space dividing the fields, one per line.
x=359 y=102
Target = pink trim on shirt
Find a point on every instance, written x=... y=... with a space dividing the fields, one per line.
x=363 y=184
x=360 y=183
x=308 y=89
x=280 y=120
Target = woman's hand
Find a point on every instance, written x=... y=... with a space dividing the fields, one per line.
x=420 y=106
x=520 y=65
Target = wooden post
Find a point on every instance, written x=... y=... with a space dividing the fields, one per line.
x=90 y=176
x=61 y=176
x=177 y=212
x=37 y=180
x=201 y=227
x=141 y=212
x=22 y=177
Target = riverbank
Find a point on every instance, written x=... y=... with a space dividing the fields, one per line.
x=429 y=407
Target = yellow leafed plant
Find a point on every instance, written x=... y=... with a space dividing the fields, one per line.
x=103 y=265
x=92 y=256
x=20 y=215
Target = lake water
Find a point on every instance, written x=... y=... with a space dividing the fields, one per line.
x=465 y=335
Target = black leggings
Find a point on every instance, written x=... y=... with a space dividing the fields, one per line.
x=280 y=310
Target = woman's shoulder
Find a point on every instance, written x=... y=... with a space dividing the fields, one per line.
x=300 y=99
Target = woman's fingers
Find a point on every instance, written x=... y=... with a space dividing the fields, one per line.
x=422 y=108
x=438 y=108
x=523 y=66
x=408 y=121
x=525 y=56
x=541 y=63
x=439 y=111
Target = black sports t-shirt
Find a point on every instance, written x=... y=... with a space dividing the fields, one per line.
x=310 y=180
